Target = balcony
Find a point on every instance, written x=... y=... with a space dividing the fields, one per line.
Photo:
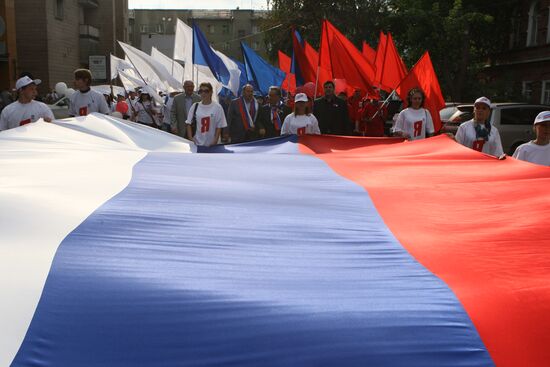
x=89 y=4
x=88 y=31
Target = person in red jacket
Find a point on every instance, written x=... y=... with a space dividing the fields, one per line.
x=372 y=117
x=354 y=107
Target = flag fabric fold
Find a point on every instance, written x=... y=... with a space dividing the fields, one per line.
x=139 y=264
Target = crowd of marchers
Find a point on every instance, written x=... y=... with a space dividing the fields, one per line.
x=194 y=114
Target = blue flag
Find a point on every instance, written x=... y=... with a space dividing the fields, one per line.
x=294 y=67
x=204 y=55
x=243 y=79
x=260 y=71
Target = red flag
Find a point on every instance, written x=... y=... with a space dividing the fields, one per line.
x=306 y=65
x=285 y=63
x=423 y=76
x=340 y=56
x=393 y=68
x=379 y=60
x=369 y=53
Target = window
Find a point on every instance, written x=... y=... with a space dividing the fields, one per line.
x=59 y=11
x=226 y=46
x=159 y=28
x=255 y=45
x=527 y=89
x=545 y=93
x=519 y=115
x=533 y=25
x=143 y=28
x=225 y=29
x=241 y=33
x=255 y=29
x=210 y=28
x=515 y=34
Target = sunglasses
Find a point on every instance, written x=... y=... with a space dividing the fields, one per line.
x=201 y=91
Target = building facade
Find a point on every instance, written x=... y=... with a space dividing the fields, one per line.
x=61 y=35
x=526 y=62
x=224 y=29
x=8 y=45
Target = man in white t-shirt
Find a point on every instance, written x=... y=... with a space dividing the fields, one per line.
x=537 y=151
x=25 y=110
x=86 y=100
x=207 y=117
x=478 y=133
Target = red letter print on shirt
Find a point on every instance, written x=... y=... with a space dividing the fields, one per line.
x=417 y=128
x=205 y=124
x=24 y=122
x=301 y=131
x=83 y=111
x=478 y=145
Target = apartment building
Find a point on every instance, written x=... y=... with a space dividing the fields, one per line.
x=224 y=29
x=54 y=37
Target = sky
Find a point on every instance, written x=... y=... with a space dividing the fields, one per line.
x=194 y=4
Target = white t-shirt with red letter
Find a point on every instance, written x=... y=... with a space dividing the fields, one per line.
x=83 y=104
x=300 y=125
x=209 y=117
x=466 y=135
x=19 y=114
x=414 y=123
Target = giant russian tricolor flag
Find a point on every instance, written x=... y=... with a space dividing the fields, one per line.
x=122 y=246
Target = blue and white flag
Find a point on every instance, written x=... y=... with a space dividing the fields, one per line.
x=260 y=71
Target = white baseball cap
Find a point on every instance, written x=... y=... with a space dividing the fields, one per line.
x=542 y=117
x=24 y=81
x=300 y=97
x=484 y=100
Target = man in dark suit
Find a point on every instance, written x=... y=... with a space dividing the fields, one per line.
x=332 y=112
x=242 y=116
x=180 y=108
x=272 y=115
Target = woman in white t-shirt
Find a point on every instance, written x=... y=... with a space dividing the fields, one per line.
x=478 y=133
x=206 y=117
x=145 y=111
x=414 y=122
x=537 y=151
x=301 y=121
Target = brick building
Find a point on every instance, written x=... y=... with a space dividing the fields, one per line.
x=525 y=65
x=223 y=28
x=54 y=37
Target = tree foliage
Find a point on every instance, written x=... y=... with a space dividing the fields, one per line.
x=460 y=34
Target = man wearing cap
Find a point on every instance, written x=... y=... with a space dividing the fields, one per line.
x=332 y=112
x=478 y=133
x=537 y=151
x=25 y=110
x=86 y=100
x=180 y=108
